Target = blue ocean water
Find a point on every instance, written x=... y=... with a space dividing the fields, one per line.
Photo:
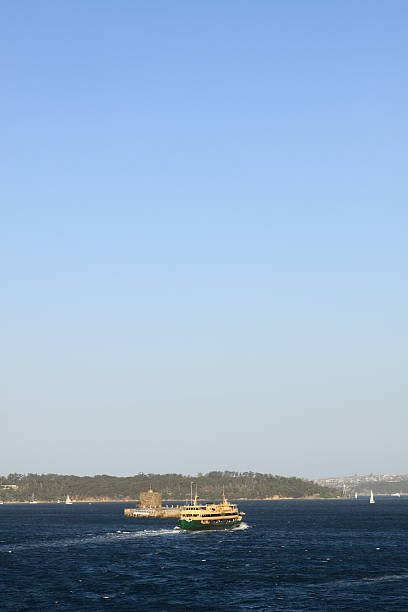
x=289 y=555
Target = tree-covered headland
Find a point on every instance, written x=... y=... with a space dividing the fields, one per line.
x=237 y=485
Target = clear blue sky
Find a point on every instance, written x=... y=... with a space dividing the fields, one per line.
x=203 y=238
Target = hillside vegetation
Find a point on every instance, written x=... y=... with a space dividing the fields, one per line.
x=251 y=485
x=383 y=487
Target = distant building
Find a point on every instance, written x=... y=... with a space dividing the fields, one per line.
x=9 y=486
x=150 y=499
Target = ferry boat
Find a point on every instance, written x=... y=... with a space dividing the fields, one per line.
x=197 y=517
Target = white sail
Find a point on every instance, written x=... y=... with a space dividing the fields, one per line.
x=68 y=501
x=356 y=495
x=372 y=500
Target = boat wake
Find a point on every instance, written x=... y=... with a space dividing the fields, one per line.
x=356 y=582
x=386 y=578
x=117 y=536
x=241 y=527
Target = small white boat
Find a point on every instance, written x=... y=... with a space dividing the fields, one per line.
x=395 y=494
x=68 y=501
x=32 y=500
x=372 y=500
x=355 y=495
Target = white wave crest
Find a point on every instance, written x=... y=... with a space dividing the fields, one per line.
x=242 y=526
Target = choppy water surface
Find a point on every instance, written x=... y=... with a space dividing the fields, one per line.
x=294 y=555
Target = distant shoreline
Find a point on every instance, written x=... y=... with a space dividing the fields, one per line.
x=183 y=501
x=168 y=501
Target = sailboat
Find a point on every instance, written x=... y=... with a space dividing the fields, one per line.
x=68 y=501
x=356 y=495
x=372 y=500
x=32 y=500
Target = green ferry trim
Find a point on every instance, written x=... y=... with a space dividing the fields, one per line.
x=197 y=525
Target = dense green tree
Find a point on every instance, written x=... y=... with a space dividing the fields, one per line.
x=251 y=485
